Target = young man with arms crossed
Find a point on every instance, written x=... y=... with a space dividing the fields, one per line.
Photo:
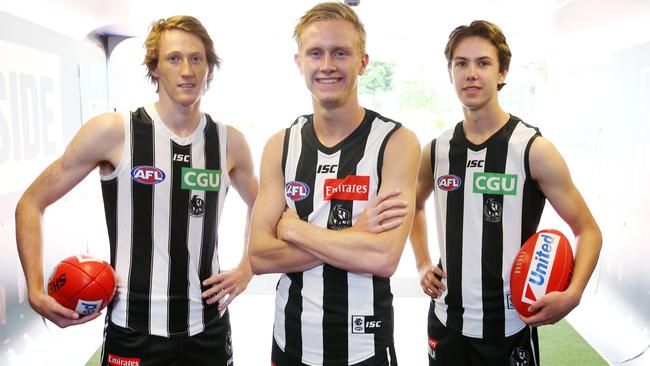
x=471 y=318
x=171 y=299
x=335 y=207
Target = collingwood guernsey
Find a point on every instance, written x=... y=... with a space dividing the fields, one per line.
x=487 y=205
x=162 y=204
x=325 y=315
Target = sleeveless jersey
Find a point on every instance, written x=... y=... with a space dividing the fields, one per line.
x=162 y=205
x=326 y=315
x=487 y=205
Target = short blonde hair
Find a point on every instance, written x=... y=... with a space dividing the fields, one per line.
x=331 y=11
x=182 y=22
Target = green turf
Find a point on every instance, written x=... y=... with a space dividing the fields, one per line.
x=559 y=345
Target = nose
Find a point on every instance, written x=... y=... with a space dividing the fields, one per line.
x=186 y=68
x=327 y=64
x=471 y=72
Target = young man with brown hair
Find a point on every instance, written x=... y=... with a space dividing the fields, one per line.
x=471 y=317
x=165 y=169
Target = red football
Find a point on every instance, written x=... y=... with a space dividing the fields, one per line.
x=544 y=264
x=82 y=283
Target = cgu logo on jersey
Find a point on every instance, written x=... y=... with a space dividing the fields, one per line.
x=350 y=188
x=147 y=174
x=200 y=179
x=296 y=191
x=449 y=182
x=540 y=267
x=495 y=183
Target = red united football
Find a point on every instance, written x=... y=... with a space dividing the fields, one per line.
x=544 y=264
x=82 y=283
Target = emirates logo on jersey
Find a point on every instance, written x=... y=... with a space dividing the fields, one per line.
x=350 y=188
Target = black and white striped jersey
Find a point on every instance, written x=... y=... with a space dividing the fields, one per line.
x=162 y=204
x=487 y=205
x=326 y=315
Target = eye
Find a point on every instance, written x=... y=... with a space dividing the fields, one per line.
x=461 y=63
x=173 y=59
x=197 y=59
x=314 y=53
x=340 y=53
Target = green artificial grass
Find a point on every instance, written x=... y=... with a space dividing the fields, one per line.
x=560 y=344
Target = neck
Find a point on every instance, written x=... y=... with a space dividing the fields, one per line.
x=482 y=123
x=181 y=120
x=332 y=125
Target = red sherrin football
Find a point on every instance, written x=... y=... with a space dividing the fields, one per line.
x=82 y=283
x=544 y=264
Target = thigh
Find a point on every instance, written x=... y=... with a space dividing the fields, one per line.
x=445 y=347
x=123 y=346
x=387 y=358
x=520 y=349
x=212 y=347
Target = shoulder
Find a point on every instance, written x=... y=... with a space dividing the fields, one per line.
x=106 y=126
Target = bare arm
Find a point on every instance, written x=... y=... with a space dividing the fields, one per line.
x=419 y=236
x=552 y=175
x=229 y=284
x=98 y=142
x=358 y=250
x=267 y=253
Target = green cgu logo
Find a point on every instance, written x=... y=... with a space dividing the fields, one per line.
x=200 y=179
x=495 y=183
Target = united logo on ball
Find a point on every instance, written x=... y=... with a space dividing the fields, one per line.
x=82 y=283
x=544 y=264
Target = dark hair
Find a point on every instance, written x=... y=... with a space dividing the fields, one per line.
x=483 y=29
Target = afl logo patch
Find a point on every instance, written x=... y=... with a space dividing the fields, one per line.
x=146 y=174
x=296 y=191
x=449 y=182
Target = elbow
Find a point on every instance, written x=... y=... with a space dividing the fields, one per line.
x=257 y=265
x=384 y=267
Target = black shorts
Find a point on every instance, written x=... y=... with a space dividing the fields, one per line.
x=212 y=347
x=448 y=347
x=280 y=358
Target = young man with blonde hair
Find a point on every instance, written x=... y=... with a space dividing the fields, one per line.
x=471 y=318
x=335 y=207
x=171 y=299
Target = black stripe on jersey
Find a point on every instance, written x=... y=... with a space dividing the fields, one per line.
x=533 y=200
x=306 y=173
x=454 y=231
x=380 y=157
x=492 y=242
x=433 y=159
x=142 y=226
x=109 y=194
x=335 y=280
x=178 y=255
x=285 y=144
x=210 y=239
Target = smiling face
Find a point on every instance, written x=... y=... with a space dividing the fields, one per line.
x=330 y=59
x=182 y=70
x=474 y=71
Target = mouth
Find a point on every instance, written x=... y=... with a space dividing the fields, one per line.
x=187 y=85
x=327 y=81
x=472 y=88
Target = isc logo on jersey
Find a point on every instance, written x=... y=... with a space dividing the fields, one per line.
x=350 y=188
x=147 y=174
x=540 y=267
x=449 y=182
x=200 y=179
x=296 y=191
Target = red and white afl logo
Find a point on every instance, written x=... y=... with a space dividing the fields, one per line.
x=147 y=174
x=296 y=191
x=449 y=182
